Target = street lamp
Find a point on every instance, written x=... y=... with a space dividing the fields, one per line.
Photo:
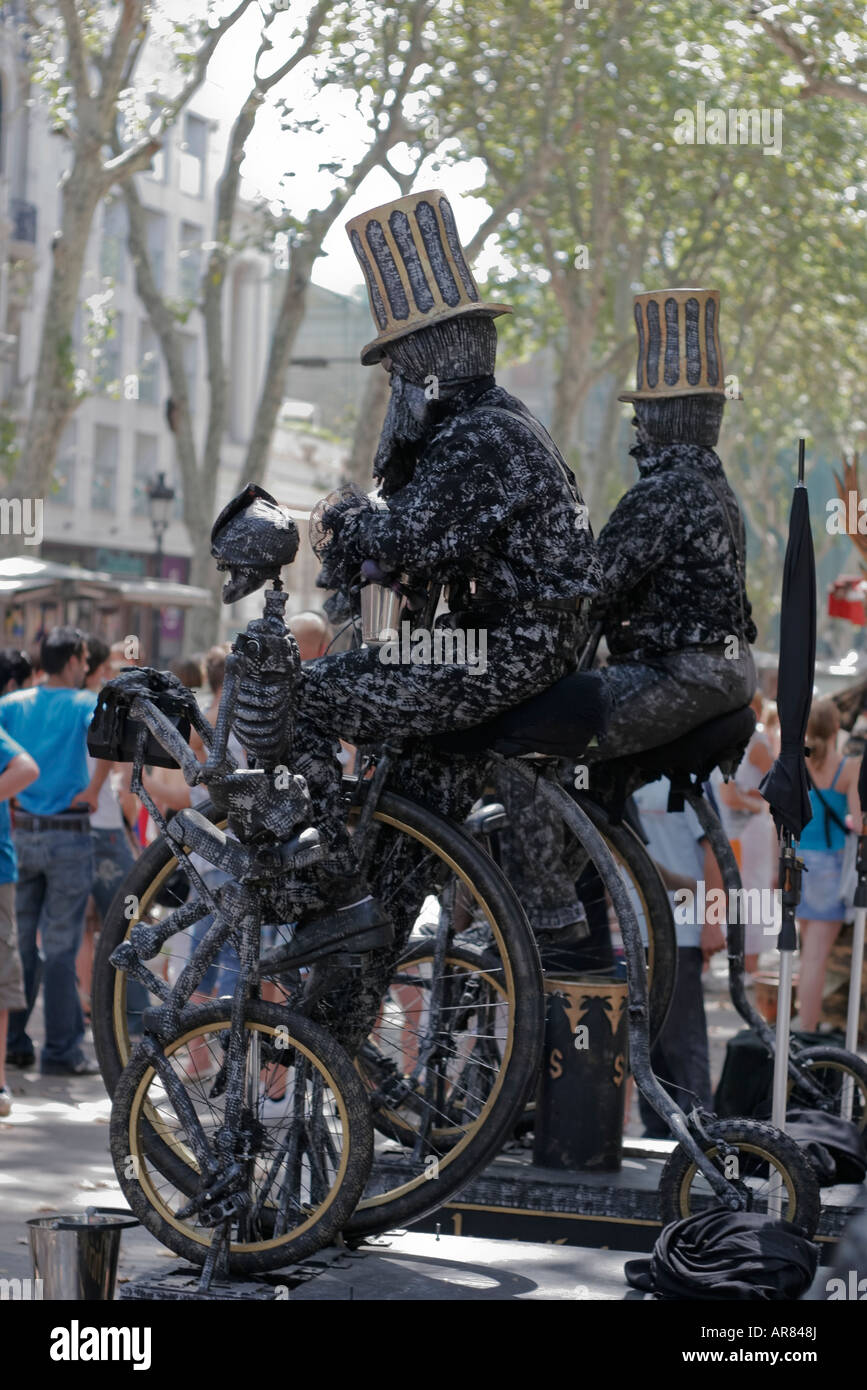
x=160 y=499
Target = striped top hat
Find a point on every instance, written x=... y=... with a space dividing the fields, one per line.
x=414 y=266
x=679 y=351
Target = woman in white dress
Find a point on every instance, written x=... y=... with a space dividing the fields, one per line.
x=748 y=824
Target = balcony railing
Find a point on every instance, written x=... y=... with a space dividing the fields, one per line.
x=23 y=218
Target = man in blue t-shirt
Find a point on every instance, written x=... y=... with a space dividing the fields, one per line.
x=17 y=771
x=55 y=856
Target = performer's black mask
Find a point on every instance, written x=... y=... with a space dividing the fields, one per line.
x=427 y=369
x=676 y=420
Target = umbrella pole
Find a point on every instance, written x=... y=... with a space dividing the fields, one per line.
x=853 y=1014
x=790 y=886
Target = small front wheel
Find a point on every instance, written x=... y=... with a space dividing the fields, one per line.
x=765 y=1165
x=841 y=1077
x=303 y=1146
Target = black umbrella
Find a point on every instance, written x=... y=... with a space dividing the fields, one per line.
x=785 y=787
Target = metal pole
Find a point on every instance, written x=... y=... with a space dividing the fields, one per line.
x=157 y=611
x=790 y=885
x=854 y=1011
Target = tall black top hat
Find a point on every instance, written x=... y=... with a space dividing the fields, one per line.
x=415 y=268
x=679 y=351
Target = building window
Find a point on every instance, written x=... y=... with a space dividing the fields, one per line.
x=193 y=154
x=103 y=487
x=155 y=240
x=145 y=469
x=190 y=260
x=112 y=257
x=159 y=166
x=64 y=468
x=108 y=359
x=159 y=170
x=148 y=365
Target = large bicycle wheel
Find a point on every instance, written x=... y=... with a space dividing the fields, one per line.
x=304 y=1147
x=650 y=902
x=449 y=888
x=468 y=1002
x=765 y=1165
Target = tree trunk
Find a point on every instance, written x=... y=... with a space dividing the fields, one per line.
x=598 y=471
x=292 y=309
x=54 y=398
x=358 y=467
x=202 y=625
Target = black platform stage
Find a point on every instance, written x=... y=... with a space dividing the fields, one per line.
x=513 y=1200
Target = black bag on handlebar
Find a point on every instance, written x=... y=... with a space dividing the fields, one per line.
x=113 y=733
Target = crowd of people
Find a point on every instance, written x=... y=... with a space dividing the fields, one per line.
x=70 y=830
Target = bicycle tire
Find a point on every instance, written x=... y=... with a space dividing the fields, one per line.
x=325 y=1070
x=417 y=1194
x=832 y=1064
x=762 y=1144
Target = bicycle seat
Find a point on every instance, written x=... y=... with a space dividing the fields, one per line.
x=558 y=723
x=719 y=742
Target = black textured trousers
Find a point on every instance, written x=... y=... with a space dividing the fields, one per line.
x=359 y=697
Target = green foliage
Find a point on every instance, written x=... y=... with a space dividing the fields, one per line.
x=782 y=236
x=10 y=447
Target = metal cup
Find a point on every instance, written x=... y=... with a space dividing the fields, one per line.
x=76 y=1256
x=381 y=608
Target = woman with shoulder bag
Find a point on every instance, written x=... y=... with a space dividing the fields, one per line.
x=822 y=909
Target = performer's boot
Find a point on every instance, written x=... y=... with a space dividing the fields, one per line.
x=349 y=919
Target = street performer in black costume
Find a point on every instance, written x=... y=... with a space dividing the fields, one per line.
x=479 y=500
x=674 y=608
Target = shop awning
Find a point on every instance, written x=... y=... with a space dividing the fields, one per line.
x=27 y=578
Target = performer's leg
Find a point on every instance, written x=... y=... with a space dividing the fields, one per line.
x=657 y=701
x=369 y=702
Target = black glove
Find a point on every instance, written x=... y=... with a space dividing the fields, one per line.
x=334 y=527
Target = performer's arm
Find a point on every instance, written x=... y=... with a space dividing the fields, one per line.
x=636 y=538
x=446 y=514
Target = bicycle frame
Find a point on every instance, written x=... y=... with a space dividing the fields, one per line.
x=638 y=1011
x=733 y=887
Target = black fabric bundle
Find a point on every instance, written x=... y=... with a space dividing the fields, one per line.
x=727 y=1255
x=835 y=1146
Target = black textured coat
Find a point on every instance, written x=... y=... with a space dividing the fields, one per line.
x=671 y=577
x=486 y=501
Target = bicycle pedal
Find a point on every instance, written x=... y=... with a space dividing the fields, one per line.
x=353 y=960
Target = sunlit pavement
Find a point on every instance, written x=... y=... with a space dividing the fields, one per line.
x=54 y=1157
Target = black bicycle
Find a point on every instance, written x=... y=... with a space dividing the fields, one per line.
x=238 y=1127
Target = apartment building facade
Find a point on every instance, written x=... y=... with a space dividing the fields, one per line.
x=119 y=440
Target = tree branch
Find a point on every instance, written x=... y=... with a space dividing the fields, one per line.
x=806 y=63
x=111 y=69
x=203 y=58
x=315 y=21
x=76 y=55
